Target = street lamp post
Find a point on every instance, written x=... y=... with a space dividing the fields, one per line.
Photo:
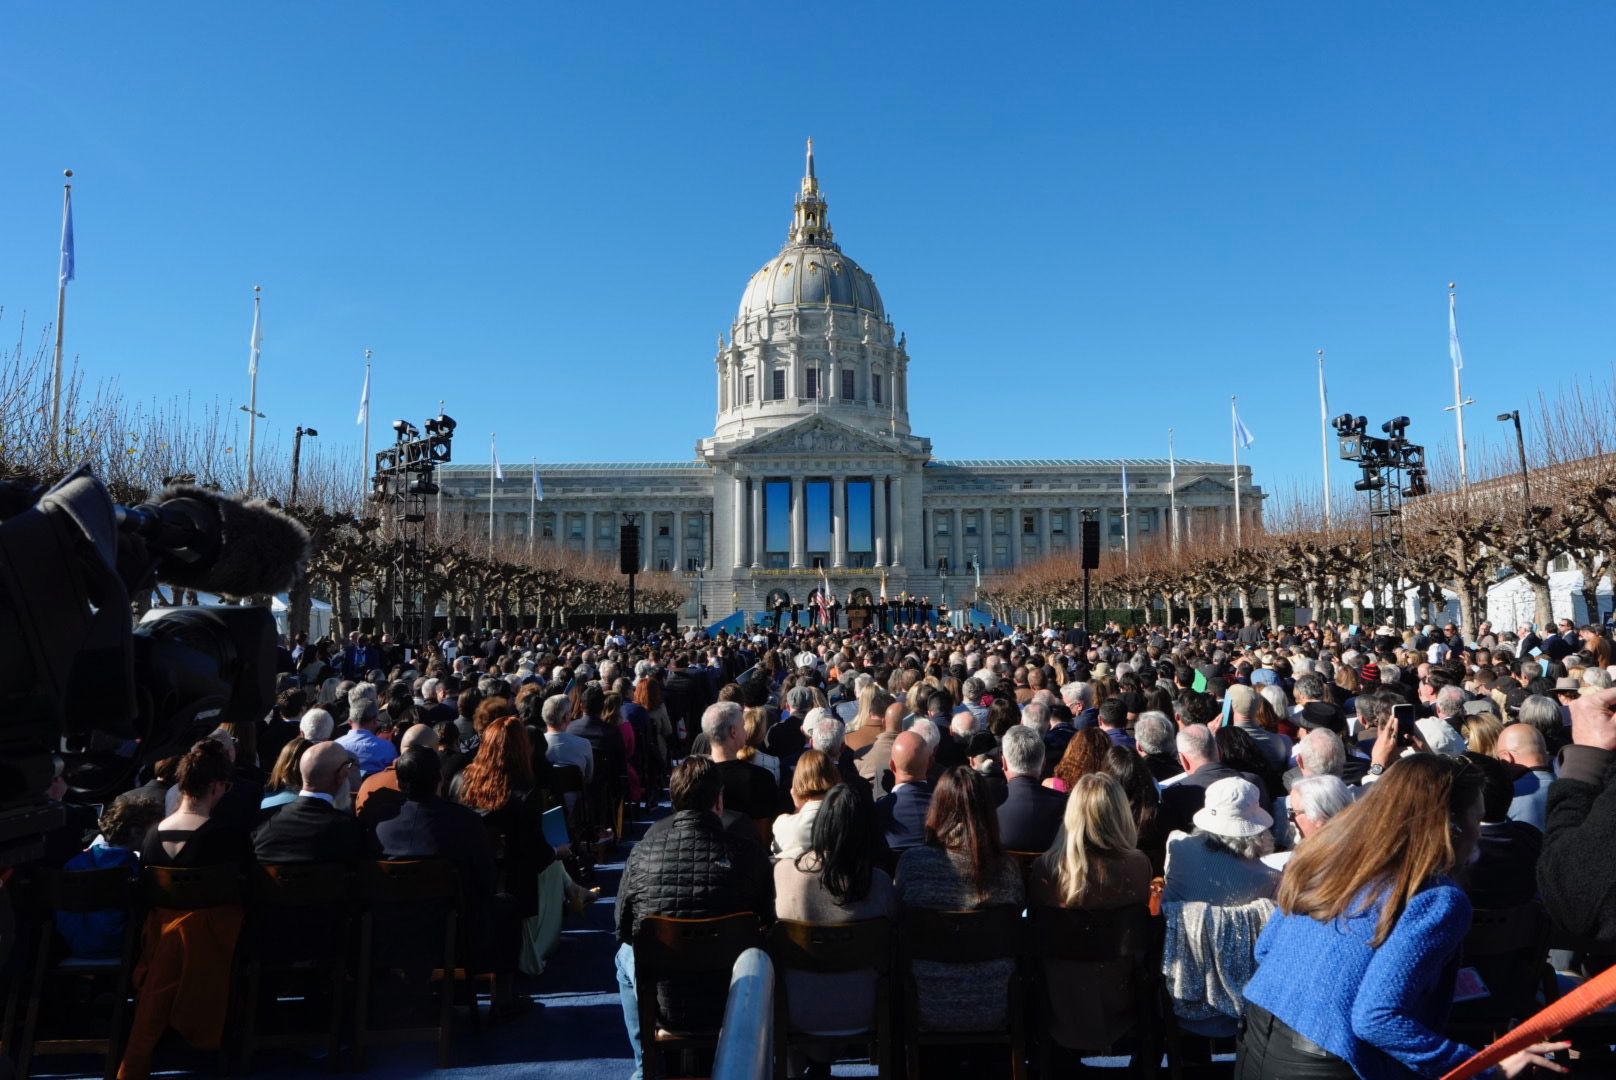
x=297 y=455
x=1520 y=447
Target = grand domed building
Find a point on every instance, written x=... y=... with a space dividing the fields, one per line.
x=812 y=468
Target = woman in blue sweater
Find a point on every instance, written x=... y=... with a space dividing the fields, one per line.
x=1357 y=968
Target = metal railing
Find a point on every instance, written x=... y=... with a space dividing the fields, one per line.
x=746 y=1041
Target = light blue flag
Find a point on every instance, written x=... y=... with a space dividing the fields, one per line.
x=1453 y=333
x=1242 y=432
x=493 y=446
x=538 y=485
x=66 y=273
x=1124 y=476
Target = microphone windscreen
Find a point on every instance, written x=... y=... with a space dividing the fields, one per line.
x=260 y=548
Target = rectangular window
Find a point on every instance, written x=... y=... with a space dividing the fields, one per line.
x=875 y=387
x=779 y=384
x=777 y=516
x=575 y=527
x=604 y=527
x=549 y=530
x=664 y=530
x=972 y=524
x=860 y=516
x=662 y=565
x=1029 y=524
x=813 y=382
x=693 y=523
x=847 y=385
x=750 y=386
x=943 y=523
x=1057 y=524
x=816 y=508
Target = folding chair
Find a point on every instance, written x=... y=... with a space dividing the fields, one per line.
x=423 y=893
x=665 y=948
x=315 y=898
x=827 y=949
x=77 y=892
x=963 y=937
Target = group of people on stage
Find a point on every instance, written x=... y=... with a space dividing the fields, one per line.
x=862 y=612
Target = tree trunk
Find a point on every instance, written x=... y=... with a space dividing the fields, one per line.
x=299 y=603
x=1272 y=590
x=1542 y=599
x=344 y=614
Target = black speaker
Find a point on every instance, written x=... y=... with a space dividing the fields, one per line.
x=1091 y=545
x=628 y=549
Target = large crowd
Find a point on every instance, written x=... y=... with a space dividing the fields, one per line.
x=1314 y=812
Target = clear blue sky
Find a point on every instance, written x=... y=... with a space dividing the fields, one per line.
x=1094 y=221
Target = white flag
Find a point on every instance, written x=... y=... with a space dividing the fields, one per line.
x=499 y=473
x=1124 y=477
x=1453 y=333
x=256 y=344
x=538 y=485
x=364 y=399
x=1241 y=432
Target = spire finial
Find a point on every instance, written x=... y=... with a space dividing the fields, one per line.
x=811 y=158
x=810 y=224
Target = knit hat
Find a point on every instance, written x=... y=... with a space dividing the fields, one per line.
x=1370 y=673
x=1232 y=810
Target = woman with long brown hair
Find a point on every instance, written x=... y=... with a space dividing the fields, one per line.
x=1358 y=967
x=1085 y=754
x=960 y=867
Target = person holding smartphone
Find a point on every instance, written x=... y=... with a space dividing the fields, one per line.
x=1357 y=970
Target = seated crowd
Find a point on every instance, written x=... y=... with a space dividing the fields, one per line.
x=1314 y=814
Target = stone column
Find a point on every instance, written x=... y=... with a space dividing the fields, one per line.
x=838 y=522
x=896 y=517
x=1046 y=535
x=1012 y=521
x=956 y=541
x=928 y=563
x=757 y=523
x=707 y=539
x=647 y=541
x=879 y=519
x=799 y=521
x=681 y=521
x=737 y=509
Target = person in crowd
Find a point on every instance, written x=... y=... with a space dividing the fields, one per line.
x=1220 y=862
x=1154 y=733
x=316 y=725
x=1521 y=747
x=1093 y=864
x=960 y=866
x=693 y=869
x=285 y=779
x=874 y=761
x=373 y=753
x=1237 y=750
x=281 y=726
x=816 y=774
x=834 y=880
x=1243 y=711
x=1030 y=814
x=194 y=835
x=611 y=713
x=1113 y=722
x=1311 y=802
x=1144 y=802
x=379 y=797
x=428 y=826
x=901 y=815
x=748 y=788
x=311 y=828
x=1503 y=873
x=1198 y=758
x=98 y=935
x=1356 y=971
x=659 y=728
x=1085 y=753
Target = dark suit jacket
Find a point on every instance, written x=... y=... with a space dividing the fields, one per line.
x=901 y=816
x=309 y=830
x=436 y=828
x=1181 y=801
x=1030 y=815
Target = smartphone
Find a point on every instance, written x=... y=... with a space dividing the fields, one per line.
x=1403 y=717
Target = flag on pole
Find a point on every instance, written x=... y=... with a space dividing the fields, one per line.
x=257 y=343
x=1125 y=478
x=66 y=272
x=364 y=399
x=1453 y=327
x=1242 y=432
x=538 y=485
x=493 y=445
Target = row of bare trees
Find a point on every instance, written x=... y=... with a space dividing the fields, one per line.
x=1458 y=542
x=357 y=555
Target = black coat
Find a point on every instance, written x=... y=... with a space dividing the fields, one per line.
x=1181 y=801
x=436 y=828
x=900 y=817
x=1576 y=874
x=1030 y=815
x=308 y=830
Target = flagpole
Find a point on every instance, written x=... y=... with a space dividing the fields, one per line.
x=65 y=272
x=364 y=462
x=1234 y=428
x=493 y=467
x=1324 y=437
x=533 y=506
x=1172 y=487
x=252 y=397
x=1127 y=554
x=1459 y=402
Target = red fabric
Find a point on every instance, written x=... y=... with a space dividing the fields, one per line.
x=1587 y=999
x=182 y=981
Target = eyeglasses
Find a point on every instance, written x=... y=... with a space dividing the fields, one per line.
x=1291 y=813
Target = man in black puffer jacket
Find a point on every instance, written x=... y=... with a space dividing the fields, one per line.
x=688 y=868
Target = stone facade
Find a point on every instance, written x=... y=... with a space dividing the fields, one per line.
x=812 y=470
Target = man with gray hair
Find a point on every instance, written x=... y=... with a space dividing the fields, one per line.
x=561 y=748
x=1154 y=733
x=316 y=725
x=1449 y=705
x=1198 y=754
x=749 y=789
x=1311 y=802
x=1036 y=716
x=972 y=690
x=1030 y=815
x=1079 y=697
x=372 y=752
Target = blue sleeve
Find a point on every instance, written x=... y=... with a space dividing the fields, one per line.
x=1395 y=998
